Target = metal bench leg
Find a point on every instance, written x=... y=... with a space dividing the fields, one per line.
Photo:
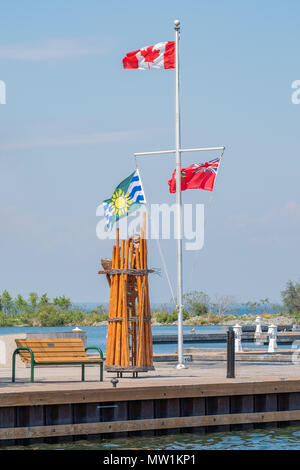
x=101 y=372
x=82 y=372
x=13 y=376
x=32 y=372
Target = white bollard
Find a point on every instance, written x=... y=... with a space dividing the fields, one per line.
x=272 y=333
x=238 y=338
x=258 y=331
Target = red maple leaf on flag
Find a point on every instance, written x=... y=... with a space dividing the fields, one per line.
x=150 y=54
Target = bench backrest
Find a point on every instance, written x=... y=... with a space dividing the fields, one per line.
x=52 y=349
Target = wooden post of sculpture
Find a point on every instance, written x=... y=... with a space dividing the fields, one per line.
x=129 y=336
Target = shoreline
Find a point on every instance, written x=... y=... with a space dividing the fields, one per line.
x=278 y=320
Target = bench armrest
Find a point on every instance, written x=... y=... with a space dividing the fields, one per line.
x=97 y=349
x=16 y=351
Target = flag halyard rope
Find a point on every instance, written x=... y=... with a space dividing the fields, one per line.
x=160 y=250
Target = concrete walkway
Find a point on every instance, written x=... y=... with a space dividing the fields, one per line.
x=200 y=372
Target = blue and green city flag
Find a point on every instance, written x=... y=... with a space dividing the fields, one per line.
x=127 y=198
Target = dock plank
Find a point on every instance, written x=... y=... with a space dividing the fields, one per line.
x=145 y=424
x=77 y=392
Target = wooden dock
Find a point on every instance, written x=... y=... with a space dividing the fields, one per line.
x=198 y=399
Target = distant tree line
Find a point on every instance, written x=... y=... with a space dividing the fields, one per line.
x=17 y=305
x=42 y=311
x=198 y=307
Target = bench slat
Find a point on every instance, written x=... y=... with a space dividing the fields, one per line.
x=50 y=340
x=56 y=349
x=55 y=360
x=67 y=361
x=26 y=355
x=53 y=356
x=53 y=344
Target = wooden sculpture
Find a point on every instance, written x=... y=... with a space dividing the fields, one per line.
x=129 y=337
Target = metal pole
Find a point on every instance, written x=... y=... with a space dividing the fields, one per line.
x=230 y=354
x=180 y=364
x=161 y=152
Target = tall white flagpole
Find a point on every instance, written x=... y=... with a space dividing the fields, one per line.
x=180 y=364
x=178 y=150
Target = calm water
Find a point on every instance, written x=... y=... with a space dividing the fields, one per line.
x=96 y=336
x=258 y=439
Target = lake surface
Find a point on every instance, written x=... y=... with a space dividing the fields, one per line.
x=256 y=439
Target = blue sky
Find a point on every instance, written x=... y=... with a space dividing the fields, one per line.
x=74 y=118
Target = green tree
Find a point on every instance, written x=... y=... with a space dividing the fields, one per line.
x=4 y=320
x=20 y=303
x=196 y=303
x=291 y=296
x=44 y=300
x=99 y=310
x=7 y=303
x=50 y=316
x=62 y=302
x=33 y=300
x=72 y=317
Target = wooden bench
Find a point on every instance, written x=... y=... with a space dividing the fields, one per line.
x=46 y=352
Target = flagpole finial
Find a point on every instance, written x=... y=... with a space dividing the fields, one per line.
x=177 y=24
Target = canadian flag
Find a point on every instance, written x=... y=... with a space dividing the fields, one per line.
x=160 y=56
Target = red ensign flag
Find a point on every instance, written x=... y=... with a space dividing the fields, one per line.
x=160 y=56
x=196 y=176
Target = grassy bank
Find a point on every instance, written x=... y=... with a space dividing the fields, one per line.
x=54 y=316
x=211 y=319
